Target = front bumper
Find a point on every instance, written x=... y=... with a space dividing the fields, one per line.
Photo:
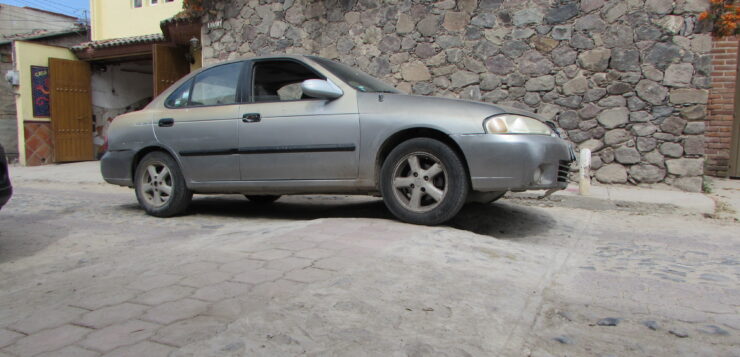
x=499 y=162
x=116 y=167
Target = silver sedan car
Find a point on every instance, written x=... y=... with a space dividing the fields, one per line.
x=272 y=126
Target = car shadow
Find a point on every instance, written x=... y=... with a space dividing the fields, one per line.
x=502 y=219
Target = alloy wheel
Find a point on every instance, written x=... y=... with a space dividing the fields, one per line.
x=420 y=182
x=156 y=184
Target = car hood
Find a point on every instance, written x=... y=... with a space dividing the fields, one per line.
x=435 y=107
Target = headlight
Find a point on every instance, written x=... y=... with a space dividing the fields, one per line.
x=515 y=124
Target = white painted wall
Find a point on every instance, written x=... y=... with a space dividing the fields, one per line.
x=119 y=89
x=121 y=84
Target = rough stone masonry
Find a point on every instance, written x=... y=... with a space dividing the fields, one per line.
x=627 y=79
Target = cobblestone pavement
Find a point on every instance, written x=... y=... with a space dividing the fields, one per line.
x=84 y=272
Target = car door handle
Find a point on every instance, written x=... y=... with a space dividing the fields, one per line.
x=166 y=122
x=251 y=117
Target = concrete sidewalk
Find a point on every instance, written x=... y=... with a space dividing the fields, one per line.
x=87 y=172
x=690 y=201
x=726 y=192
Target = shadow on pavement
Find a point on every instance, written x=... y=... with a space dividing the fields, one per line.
x=24 y=235
x=502 y=219
x=291 y=207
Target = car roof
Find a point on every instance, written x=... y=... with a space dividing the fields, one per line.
x=242 y=59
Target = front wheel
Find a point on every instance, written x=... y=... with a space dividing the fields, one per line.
x=160 y=186
x=423 y=181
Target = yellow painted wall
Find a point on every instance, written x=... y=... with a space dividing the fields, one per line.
x=119 y=18
x=29 y=54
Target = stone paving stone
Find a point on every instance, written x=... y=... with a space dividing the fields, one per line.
x=336 y=245
x=106 y=297
x=357 y=252
x=308 y=275
x=241 y=266
x=271 y=254
x=288 y=264
x=335 y=263
x=70 y=351
x=176 y=310
x=258 y=276
x=48 y=340
x=164 y=294
x=205 y=279
x=296 y=245
x=221 y=291
x=150 y=282
x=43 y=320
x=142 y=349
x=112 y=315
x=8 y=337
x=286 y=237
x=229 y=309
x=189 y=331
x=278 y=288
x=317 y=236
x=115 y=336
x=315 y=253
x=371 y=244
x=194 y=268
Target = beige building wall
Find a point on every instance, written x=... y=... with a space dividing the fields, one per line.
x=119 y=18
x=18 y=20
x=29 y=54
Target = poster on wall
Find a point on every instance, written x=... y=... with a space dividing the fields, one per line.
x=40 y=91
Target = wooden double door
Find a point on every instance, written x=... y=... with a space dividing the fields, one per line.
x=70 y=90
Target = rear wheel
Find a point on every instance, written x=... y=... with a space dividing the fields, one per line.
x=160 y=186
x=423 y=181
x=262 y=199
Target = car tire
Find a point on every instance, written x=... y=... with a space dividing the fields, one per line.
x=160 y=186
x=262 y=199
x=423 y=181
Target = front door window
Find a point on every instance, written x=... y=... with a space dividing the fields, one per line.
x=280 y=81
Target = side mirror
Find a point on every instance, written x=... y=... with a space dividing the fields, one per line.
x=319 y=88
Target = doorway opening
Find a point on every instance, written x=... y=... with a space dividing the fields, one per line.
x=118 y=87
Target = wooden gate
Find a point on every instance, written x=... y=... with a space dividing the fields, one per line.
x=169 y=66
x=71 y=110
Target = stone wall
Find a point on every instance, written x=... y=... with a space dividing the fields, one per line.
x=626 y=78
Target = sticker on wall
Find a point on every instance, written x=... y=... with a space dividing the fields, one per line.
x=40 y=91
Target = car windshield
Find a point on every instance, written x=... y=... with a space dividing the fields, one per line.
x=355 y=78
